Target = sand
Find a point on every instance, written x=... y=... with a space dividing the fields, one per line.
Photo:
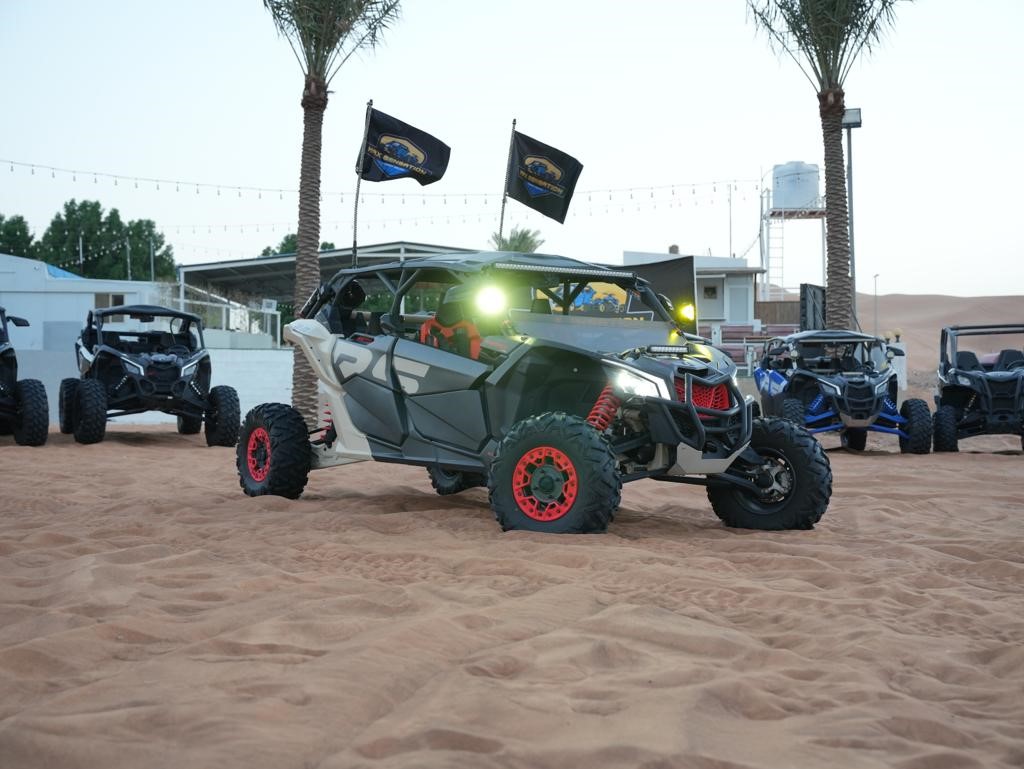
x=153 y=616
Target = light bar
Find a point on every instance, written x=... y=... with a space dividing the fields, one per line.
x=563 y=270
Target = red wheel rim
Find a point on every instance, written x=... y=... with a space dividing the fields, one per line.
x=258 y=454
x=545 y=484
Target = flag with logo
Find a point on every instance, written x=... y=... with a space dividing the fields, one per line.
x=397 y=150
x=541 y=176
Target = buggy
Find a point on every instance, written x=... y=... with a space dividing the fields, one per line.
x=840 y=381
x=478 y=367
x=138 y=358
x=980 y=383
x=24 y=411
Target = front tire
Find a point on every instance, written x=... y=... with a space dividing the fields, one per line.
x=32 y=422
x=66 y=405
x=273 y=455
x=447 y=482
x=801 y=482
x=854 y=439
x=793 y=410
x=944 y=424
x=918 y=427
x=189 y=425
x=554 y=473
x=222 y=417
x=89 y=412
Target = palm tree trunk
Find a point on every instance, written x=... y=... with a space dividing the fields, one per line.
x=838 y=288
x=307 y=265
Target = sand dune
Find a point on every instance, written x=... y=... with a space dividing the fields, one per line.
x=153 y=616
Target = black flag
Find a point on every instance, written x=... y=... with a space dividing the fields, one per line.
x=541 y=177
x=396 y=150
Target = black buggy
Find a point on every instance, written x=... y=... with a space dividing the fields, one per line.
x=484 y=369
x=138 y=358
x=24 y=410
x=980 y=383
x=840 y=381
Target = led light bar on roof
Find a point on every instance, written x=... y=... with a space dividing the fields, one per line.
x=563 y=270
x=668 y=348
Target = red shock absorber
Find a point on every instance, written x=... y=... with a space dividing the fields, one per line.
x=603 y=413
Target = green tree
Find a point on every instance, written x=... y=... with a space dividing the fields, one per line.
x=323 y=34
x=15 y=237
x=521 y=240
x=824 y=38
x=85 y=241
x=289 y=245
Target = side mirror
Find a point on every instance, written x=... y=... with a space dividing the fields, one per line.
x=21 y=322
x=387 y=325
x=667 y=303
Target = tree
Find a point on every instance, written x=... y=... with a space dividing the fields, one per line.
x=522 y=240
x=828 y=35
x=323 y=34
x=289 y=245
x=81 y=239
x=15 y=238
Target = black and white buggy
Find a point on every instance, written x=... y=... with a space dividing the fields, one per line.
x=482 y=368
x=980 y=383
x=24 y=410
x=138 y=358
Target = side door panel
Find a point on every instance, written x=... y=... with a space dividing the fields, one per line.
x=368 y=390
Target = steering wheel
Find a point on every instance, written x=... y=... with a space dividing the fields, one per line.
x=1014 y=365
x=178 y=349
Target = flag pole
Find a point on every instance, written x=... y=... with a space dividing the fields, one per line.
x=504 y=192
x=359 y=178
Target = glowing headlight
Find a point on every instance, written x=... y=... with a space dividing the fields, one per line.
x=631 y=384
x=687 y=312
x=491 y=300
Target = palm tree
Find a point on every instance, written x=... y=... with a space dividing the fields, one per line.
x=323 y=34
x=525 y=241
x=824 y=38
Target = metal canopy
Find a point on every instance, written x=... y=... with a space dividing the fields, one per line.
x=273 y=277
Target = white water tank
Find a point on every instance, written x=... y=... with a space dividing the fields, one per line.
x=795 y=186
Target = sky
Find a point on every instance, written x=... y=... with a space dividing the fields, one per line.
x=678 y=110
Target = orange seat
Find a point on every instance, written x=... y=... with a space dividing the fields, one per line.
x=450 y=330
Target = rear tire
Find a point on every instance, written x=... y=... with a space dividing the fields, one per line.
x=793 y=410
x=222 y=417
x=32 y=423
x=273 y=454
x=554 y=473
x=918 y=427
x=944 y=424
x=802 y=482
x=189 y=425
x=854 y=439
x=66 y=404
x=453 y=481
x=89 y=414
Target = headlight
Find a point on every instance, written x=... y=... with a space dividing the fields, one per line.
x=491 y=300
x=882 y=386
x=188 y=368
x=138 y=366
x=829 y=387
x=631 y=384
x=964 y=380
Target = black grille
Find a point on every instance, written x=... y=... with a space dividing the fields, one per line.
x=162 y=375
x=1004 y=395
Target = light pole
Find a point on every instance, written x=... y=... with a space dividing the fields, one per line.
x=876 y=303
x=851 y=120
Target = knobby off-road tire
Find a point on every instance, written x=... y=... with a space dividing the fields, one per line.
x=801 y=470
x=89 y=413
x=453 y=481
x=918 y=427
x=854 y=439
x=189 y=425
x=66 y=405
x=554 y=473
x=944 y=429
x=793 y=410
x=32 y=422
x=222 y=417
x=273 y=455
